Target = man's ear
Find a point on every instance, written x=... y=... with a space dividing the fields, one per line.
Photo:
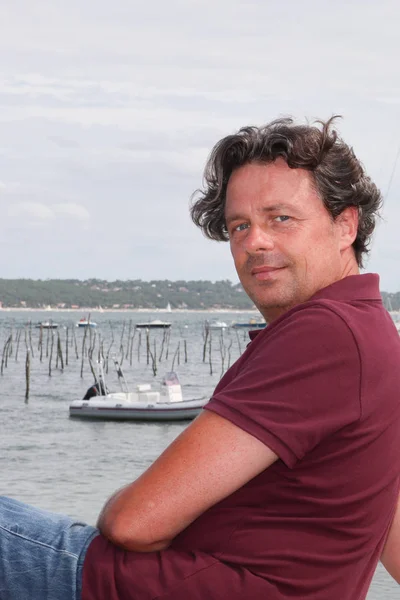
x=347 y=223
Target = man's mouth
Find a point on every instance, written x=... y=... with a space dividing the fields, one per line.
x=264 y=272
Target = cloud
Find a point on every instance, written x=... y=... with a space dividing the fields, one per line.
x=63 y=142
x=74 y=211
x=42 y=212
x=9 y=187
x=34 y=210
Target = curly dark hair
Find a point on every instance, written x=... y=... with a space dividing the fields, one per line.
x=338 y=175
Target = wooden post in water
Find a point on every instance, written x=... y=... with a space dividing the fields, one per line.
x=30 y=339
x=131 y=346
x=121 y=347
x=154 y=359
x=148 y=346
x=27 y=375
x=57 y=354
x=10 y=348
x=112 y=331
x=7 y=350
x=110 y=346
x=76 y=344
x=175 y=355
x=185 y=349
x=47 y=343
x=222 y=350
x=18 y=338
x=59 y=351
x=92 y=345
x=3 y=358
x=101 y=352
x=100 y=347
x=83 y=350
x=40 y=343
x=51 y=351
x=66 y=347
x=162 y=346
x=108 y=353
x=129 y=338
x=90 y=336
x=229 y=353
x=168 y=339
x=139 y=344
x=205 y=337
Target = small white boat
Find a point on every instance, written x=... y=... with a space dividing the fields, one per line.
x=85 y=323
x=143 y=404
x=46 y=325
x=156 y=324
x=251 y=324
x=216 y=324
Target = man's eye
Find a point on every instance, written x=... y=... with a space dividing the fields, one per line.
x=282 y=218
x=241 y=227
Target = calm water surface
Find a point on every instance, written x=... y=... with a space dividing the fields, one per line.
x=72 y=466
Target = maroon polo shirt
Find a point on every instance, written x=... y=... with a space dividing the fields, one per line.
x=321 y=387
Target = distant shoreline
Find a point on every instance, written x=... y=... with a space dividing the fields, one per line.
x=85 y=311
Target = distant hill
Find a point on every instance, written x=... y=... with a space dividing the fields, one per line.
x=130 y=294
x=92 y=293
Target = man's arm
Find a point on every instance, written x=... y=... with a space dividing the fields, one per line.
x=391 y=552
x=210 y=460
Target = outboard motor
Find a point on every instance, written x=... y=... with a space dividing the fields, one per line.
x=98 y=389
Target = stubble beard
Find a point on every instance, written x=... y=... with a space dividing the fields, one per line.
x=272 y=303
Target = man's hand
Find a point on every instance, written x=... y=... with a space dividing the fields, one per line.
x=391 y=552
x=209 y=460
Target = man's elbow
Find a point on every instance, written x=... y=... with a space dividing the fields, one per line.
x=129 y=538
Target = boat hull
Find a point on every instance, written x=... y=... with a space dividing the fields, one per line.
x=249 y=325
x=153 y=326
x=103 y=409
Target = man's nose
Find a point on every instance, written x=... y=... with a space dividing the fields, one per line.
x=258 y=240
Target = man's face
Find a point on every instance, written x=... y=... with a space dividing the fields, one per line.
x=284 y=243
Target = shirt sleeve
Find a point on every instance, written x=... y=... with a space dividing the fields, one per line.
x=299 y=384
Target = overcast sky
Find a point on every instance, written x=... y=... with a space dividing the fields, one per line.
x=108 y=110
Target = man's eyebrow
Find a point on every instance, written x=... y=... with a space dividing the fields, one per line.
x=235 y=217
x=279 y=207
x=267 y=209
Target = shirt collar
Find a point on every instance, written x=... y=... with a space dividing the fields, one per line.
x=353 y=287
x=348 y=289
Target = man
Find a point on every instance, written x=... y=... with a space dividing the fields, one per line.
x=287 y=484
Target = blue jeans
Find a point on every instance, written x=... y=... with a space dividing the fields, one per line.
x=41 y=553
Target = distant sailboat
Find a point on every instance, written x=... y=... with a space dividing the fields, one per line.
x=169 y=309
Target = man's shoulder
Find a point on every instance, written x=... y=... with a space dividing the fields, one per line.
x=309 y=333
x=310 y=318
